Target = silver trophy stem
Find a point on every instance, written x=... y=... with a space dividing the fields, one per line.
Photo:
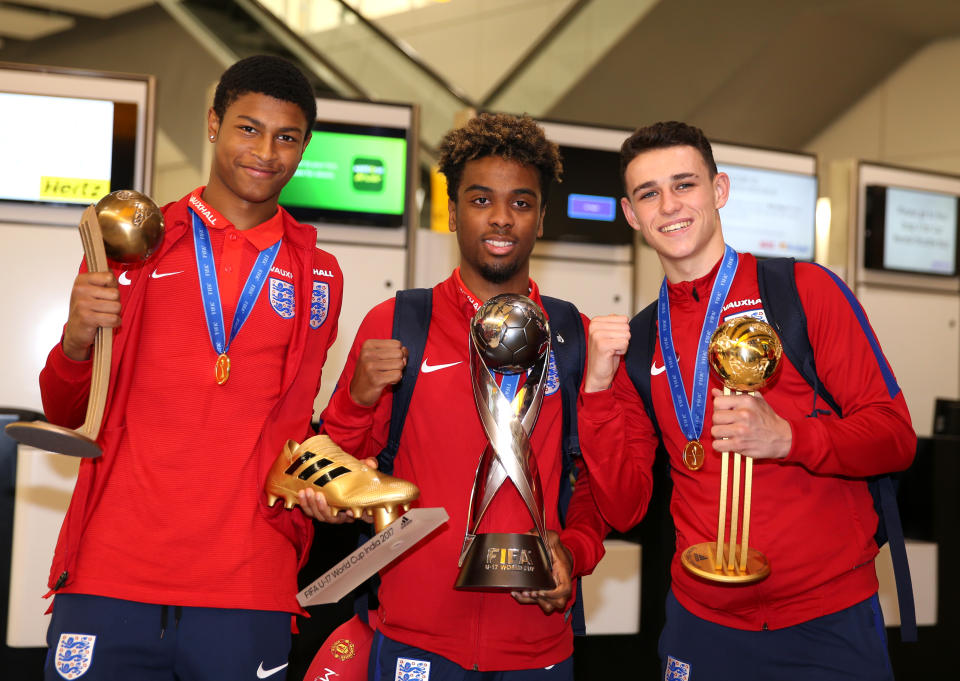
x=509 y=454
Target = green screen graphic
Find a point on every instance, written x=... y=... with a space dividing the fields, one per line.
x=350 y=172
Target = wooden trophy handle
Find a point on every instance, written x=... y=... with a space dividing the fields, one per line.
x=96 y=255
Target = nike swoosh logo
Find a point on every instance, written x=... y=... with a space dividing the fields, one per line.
x=157 y=275
x=427 y=368
x=123 y=279
x=655 y=370
x=264 y=673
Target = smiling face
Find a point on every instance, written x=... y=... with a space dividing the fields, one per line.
x=497 y=217
x=258 y=145
x=673 y=202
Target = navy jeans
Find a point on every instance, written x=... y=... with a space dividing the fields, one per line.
x=391 y=660
x=849 y=645
x=97 y=638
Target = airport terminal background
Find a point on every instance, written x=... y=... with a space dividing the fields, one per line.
x=866 y=89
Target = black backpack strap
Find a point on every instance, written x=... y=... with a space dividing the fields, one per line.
x=784 y=310
x=411 y=324
x=781 y=302
x=569 y=345
x=884 y=493
x=643 y=338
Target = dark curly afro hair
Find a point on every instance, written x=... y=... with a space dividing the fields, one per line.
x=512 y=138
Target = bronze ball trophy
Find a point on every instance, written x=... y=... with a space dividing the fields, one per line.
x=510 y=336
x=124 y=226
x=745 y=353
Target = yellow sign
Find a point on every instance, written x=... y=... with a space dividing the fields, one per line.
x=73 y=189
x=439 y=215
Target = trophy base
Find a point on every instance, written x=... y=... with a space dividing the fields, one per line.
x=501 y=561
x=53 y=438
x=701 y=559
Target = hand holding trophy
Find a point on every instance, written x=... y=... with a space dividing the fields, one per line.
x=124 y=226
x=745 y=353
x=509 y=335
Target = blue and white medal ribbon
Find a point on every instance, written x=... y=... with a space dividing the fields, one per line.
x=210 y=294
x=690 y=414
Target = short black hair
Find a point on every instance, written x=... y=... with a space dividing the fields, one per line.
x=663 y=135
x=268 y=75
x=514 y=138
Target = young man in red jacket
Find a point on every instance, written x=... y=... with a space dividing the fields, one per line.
x=498 y=170
x=169 y=562
x=817 y=614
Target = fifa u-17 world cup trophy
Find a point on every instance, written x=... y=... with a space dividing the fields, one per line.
x=125 y=226
x=510 y=336
x=745 y=353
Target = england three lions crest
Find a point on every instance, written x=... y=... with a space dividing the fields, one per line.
x=553 y=376
x=281 y=297
x=319 y=304
x=74 y=655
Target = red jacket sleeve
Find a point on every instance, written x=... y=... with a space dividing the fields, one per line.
x=619 y=445
x=585 y=527
x=875 y=435
x=65 y=385
x=361 y=431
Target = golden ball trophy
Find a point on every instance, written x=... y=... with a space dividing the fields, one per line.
x=124 y=226
x=509 y=335
x=745 y=353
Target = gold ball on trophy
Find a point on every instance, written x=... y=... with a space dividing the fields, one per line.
x=132 y=225
x=510 y=332
x=745 y=352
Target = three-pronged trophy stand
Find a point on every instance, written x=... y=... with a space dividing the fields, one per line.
x=745 y=353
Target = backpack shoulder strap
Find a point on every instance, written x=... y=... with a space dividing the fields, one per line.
x=784 y=309
x=643 y=338
x=569 y=344
x=411 y=324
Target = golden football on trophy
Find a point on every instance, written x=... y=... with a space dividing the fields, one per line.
x=131 y=224
x=745 y=353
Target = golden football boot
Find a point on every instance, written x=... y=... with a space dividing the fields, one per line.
x=346 y=483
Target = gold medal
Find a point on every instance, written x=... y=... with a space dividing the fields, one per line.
x=222 y=368
x=693 y=457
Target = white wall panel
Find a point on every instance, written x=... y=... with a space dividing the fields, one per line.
x=371 y=275
x=920 y=336
x=597 y=288
x=37 y=268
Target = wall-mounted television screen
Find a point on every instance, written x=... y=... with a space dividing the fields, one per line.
x=86 y=150
x=351 y=174
x=769 y=212
x=585 y=207
x=911 y=230
x=70 y=137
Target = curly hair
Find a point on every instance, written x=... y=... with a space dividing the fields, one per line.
x=666 y=134
x=512 y=138
x=268 y=75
